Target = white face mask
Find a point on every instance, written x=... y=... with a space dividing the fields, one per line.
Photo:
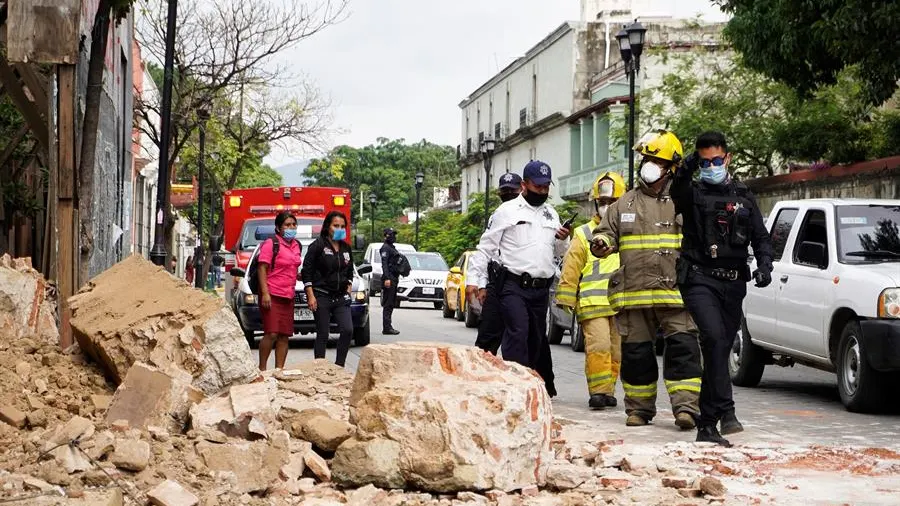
x=601 y=210
x=651 y=172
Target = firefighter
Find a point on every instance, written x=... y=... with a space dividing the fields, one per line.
x=641 y=226
x=583 y=289
x=721 y=220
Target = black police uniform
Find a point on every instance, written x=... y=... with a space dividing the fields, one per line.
x=720 y=222
x=389 y=256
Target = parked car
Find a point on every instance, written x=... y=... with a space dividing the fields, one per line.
x=246 y=304
x=373 y=258
x=560 y=322
x=455 y=303
x=834 y=303
x=425 y=280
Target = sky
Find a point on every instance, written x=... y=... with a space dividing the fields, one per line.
x=399 y=68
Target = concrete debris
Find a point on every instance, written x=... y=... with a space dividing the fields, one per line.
x=171 y=493
x=166 y=324
x=320 y=429
x=463 y=420
x=711 y=486
x=244 y=411
x=131 y=455
x=252 y=465
x=27 y=302
x=149 y=396
x=566 y=476
x=12 y=416
x=317 y=465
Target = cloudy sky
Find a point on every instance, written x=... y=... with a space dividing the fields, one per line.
x=398 y=68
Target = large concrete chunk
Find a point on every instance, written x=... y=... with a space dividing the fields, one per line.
x=137 y=312
x=25 y=308
x=149 y=397
x=254 y=466
x=445 y=419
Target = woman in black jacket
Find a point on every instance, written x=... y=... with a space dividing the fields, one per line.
x=327 y=275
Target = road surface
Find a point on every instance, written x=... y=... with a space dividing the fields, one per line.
x=791 y=405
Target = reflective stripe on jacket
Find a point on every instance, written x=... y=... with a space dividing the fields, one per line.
x=584 y=281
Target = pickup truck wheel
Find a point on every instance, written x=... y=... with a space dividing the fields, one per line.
x=362 y=335
x=747 y=360
x=554 y=331
x=862 y=388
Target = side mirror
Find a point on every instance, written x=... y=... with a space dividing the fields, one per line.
x=359 y=242
x=237 y=272
x=215 y=242
x=364 y=269
x=455 y=270
x=813 y=253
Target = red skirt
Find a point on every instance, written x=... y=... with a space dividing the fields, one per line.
x=279 y=319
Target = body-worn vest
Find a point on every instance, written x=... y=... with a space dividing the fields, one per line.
x=593 y=296
x=725 y=225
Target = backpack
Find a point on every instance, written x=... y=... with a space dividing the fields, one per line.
x=253 y=272
x=401 y=265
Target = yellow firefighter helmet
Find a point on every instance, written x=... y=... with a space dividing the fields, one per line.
x=661 y=144
x=609 y=184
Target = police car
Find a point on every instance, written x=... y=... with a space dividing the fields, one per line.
x=425 y=282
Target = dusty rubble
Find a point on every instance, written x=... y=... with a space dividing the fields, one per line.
x=70 y=438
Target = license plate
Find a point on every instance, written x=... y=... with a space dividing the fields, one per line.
x=303 y=314
x=427 y=291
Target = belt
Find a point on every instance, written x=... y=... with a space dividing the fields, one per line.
x=526 y=281
x=718 y=272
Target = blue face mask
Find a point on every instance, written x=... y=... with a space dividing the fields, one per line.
x=714 y=174
x=339 y=234
x=289 y=234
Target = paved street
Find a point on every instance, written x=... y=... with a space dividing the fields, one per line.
x=791 y=405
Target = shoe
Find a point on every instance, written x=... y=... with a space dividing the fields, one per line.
x=730 y=424
x=636 y=421
x=710 y=434
x=597 y=401
x=685 y=421
x=611 y=401
x=390 y=332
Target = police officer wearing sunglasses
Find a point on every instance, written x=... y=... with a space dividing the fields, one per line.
x=721 y=220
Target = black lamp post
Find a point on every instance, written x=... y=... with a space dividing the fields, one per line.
x=420 y=178
x=199 y=281
x=487 y=152
x=631 y=45
x=158 y=254
x=372 y=201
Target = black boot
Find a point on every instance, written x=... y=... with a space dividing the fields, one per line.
x=710 y=434
x=390 y=332
x=597 y=401
x=611 y=401
x=730 y=424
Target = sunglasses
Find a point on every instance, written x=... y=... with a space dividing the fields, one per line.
x=716 y=162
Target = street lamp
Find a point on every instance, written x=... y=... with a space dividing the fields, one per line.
x=420 y=178
x=487 y=151
x=631 y=45
x=199 y=280
x=372 y=201
x=158 y=253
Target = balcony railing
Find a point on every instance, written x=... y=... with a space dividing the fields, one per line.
x=579 y=183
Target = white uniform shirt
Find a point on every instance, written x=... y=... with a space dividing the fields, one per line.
x=523 y=238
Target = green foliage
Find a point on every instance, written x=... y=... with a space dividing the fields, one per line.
x=388 y=169
x=808 y=44
x=18 y=198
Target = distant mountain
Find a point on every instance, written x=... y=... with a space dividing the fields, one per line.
x=292 y=173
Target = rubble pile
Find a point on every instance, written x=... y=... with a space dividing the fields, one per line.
x=420 y=424
x=27 y=302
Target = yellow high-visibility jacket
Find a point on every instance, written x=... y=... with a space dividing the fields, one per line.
x=584 y=281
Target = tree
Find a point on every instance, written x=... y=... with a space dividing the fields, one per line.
x=388 y=169
x=808 y=44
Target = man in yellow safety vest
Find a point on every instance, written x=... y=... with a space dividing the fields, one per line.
x=583 y=288
x=642 y=227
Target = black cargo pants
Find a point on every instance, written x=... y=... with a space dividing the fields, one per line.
x=715 y=306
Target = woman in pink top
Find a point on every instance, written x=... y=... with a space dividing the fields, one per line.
x=277 y=278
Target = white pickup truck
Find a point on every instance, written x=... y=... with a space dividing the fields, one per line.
x=834 y=301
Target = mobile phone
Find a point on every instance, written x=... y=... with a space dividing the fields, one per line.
x=570 y=221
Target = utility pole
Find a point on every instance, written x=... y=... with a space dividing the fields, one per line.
x=158 y=254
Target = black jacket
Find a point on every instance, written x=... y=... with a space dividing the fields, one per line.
x=686 y=193
x=389 y=256
x=327 y=270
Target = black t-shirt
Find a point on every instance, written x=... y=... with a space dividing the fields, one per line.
x=326 y=269
x=389 y=256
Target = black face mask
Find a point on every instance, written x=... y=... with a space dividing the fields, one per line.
x=507 y=196
x=390 y=239
x=535 y=199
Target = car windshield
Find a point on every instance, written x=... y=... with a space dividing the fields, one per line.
x=868 y=233
x=258 y=230
x=420 y=262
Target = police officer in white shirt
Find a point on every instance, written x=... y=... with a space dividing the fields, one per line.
x=527 y=233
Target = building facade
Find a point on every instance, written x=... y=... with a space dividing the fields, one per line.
x=145 y=170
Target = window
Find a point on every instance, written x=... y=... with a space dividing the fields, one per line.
x=469 y=146
x=868 y=233
x=480 y=140
x=459 y=263
x=784 y=222
x=813 y=230
x=523 y=117
x=497 y=131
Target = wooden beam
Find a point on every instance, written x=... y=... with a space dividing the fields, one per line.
x=68 y=239
x=12 y=145
x=36 y=85
x=32 y=116
x=44 y=31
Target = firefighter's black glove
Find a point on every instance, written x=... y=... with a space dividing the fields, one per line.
x=692 y=162
x=762 y=276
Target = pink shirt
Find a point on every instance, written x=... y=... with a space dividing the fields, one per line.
x=283 y=276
